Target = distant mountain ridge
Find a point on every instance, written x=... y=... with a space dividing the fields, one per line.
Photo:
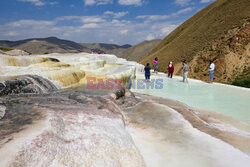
x=103 y=47
x=56 y=45
x=53 y=44
x=53 y=40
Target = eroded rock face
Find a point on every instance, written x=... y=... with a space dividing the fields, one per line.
x=2 y=111
x=26 y=84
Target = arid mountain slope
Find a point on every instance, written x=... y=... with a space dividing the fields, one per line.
x=136 y=52
x=220 y=32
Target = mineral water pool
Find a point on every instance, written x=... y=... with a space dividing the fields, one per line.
x=225 y=99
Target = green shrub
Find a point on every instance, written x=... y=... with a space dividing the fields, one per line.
x=245 y=82
x=6 y=49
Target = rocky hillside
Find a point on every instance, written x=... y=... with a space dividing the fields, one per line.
x=221 y=31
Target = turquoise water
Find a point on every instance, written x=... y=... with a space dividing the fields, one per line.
x=228 y=100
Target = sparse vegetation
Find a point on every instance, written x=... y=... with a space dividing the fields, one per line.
x=243 y=79
x=5 y=49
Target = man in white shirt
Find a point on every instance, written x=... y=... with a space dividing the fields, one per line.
x=185 y=70
x=211 y=71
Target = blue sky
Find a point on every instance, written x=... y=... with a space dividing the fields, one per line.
x=107 y=21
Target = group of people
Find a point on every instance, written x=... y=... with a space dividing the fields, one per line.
x=171 y=70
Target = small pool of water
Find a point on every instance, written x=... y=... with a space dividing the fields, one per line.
x=228 y=100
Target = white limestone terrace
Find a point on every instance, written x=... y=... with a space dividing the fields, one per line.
x=67 y=70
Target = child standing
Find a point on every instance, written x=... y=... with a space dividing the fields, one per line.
x=147 y=72
x=155 y=62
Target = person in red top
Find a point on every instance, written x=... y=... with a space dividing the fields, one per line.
x=170 y=69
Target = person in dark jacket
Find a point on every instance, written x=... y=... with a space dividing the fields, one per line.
x=147 y=72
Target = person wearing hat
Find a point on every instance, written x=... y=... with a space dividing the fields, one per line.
x=211 y=71
x=170 y=69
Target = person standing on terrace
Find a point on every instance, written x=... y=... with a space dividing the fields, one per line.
x=185 y=71
x=170 y=69
x=147 y=72
x=211 y=71
x=155 y=64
